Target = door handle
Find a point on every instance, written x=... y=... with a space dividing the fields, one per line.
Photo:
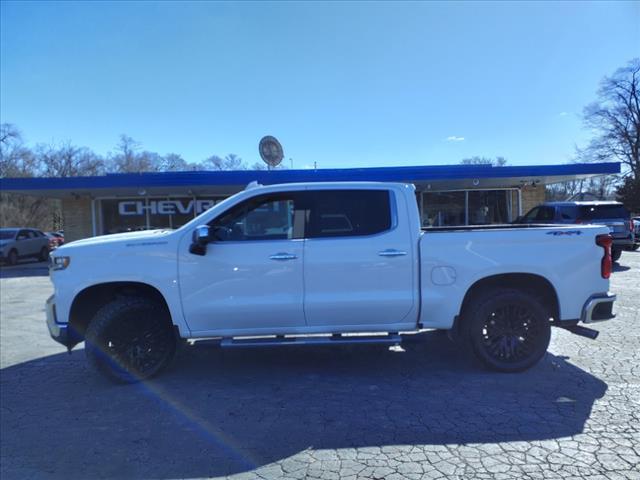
x=283 y=256
x=391 y=252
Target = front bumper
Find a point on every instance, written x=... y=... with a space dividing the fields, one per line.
x=59 y=331
x=598 y=308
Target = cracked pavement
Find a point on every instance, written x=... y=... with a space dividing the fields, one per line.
x=362 y=412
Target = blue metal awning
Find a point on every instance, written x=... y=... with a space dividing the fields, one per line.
x=432 y=177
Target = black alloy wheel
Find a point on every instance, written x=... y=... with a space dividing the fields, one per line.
x=511 y=333
x=130 y=339
x=509 y=330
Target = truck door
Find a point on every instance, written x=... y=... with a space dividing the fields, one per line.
x=358 y=264
x=251 y=275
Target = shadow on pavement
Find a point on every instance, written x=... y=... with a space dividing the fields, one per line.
x=620 y=268
x=223 y=412
x=25 y=269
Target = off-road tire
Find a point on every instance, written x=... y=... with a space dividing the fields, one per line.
x=508 y=330
x=130 y=339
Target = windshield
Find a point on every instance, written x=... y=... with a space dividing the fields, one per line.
x=590 y=212
x=7 y=234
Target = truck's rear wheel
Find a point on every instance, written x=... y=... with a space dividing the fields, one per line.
x=509 y=331
x=130 y=339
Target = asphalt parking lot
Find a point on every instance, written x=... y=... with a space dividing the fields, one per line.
x=357 y=412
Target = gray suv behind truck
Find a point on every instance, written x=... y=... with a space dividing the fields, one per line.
x=17 y=243
x=612 y=214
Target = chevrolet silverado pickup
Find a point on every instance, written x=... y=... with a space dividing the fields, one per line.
x=326 y=263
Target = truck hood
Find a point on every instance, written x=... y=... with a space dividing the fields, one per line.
x=117 y=238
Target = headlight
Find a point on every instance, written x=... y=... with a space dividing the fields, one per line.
x=60 y=263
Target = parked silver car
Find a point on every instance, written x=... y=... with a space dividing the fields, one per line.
x=16 y=243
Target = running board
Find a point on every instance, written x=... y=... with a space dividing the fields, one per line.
x=391 y=339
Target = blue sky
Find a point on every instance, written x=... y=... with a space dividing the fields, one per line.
x=340 y=84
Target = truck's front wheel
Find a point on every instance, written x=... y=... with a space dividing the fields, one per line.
x=508 y=330
x=130 y=339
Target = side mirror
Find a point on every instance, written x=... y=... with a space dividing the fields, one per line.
x=200 y=238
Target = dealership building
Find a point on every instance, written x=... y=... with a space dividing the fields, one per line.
x=447 y=195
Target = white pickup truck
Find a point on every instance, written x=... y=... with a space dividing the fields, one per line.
x=326 y=263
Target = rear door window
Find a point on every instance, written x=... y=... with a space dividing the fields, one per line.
x=348 y=213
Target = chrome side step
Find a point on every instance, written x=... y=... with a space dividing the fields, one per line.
x=390 y=339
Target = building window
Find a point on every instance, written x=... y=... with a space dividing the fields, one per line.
x=443 y=209
x=133 y=214
x=470 y=207
x=488 y=207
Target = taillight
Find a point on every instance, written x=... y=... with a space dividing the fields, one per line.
x=606 y=265
x=579 y=220
x=631 y=225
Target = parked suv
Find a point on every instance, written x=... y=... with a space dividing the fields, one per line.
x=612 y=214
x=16 y=243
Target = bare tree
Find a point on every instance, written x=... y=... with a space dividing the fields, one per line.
x=172 y=162
x=629 y=193
x=230 y=162
x=128 y=159
x=15 y=159
x=128 y=147
x=260 y=166
x=615 y=119
x=9 y=133
x=602 y=187
x=68 y=160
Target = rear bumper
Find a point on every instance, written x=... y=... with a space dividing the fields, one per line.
x=598 y=308
x=59 y=331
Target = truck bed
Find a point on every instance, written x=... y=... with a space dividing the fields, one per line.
x=452 y=261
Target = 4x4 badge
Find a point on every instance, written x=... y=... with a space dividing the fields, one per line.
x=565 y=232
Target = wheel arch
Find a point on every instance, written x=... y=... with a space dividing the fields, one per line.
x=92 y=298
x=531 y=283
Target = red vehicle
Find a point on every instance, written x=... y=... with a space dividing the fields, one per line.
x=55 y=239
